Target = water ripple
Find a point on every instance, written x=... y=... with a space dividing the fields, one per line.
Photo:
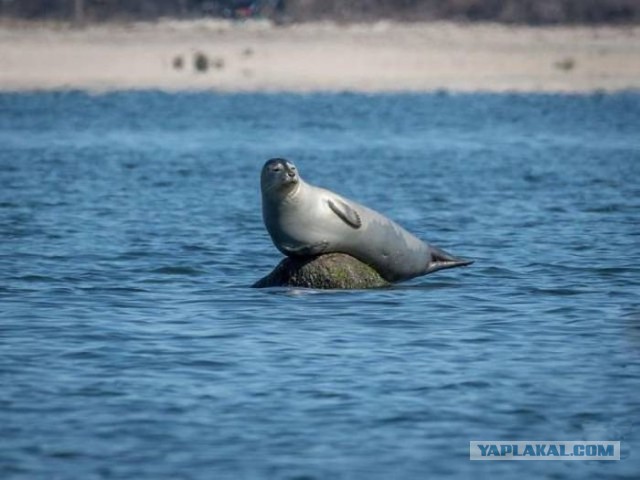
x=132 y=347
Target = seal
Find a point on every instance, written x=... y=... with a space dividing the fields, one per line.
x=304 y=220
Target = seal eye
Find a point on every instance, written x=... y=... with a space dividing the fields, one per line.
x=277 y=168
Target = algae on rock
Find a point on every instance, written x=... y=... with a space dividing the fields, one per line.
x=329 y=271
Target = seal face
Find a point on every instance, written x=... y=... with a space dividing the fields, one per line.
x=278 y=176
x=304 y=220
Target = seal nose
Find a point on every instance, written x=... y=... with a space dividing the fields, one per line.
x=291 y=174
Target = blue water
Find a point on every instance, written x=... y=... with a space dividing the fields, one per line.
x=132 y=346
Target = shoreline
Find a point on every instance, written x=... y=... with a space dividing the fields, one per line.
x=256 y=56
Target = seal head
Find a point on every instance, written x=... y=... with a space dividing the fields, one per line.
x=279 y=177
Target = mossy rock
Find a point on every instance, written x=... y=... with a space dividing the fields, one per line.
x=330 y=271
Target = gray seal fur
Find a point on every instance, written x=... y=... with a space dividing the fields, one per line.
x=304 y=220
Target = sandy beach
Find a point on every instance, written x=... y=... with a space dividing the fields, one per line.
x=258 y=56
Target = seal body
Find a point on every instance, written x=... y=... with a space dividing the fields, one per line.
x=304 y=220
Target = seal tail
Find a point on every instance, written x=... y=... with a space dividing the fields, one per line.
x=441 y=260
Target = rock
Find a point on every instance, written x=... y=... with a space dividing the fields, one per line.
x=333 y=270
x=217 y=63
x=178 y=62
x=565 y=64
x=200 y=62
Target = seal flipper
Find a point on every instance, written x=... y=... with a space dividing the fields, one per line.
x=441 y=260
x=346 y=213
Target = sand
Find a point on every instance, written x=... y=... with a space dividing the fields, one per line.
x=258 y=56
